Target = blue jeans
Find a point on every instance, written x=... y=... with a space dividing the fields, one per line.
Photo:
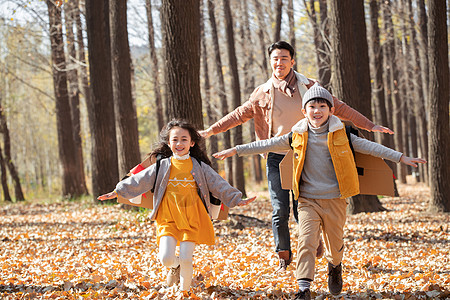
x=280 y=204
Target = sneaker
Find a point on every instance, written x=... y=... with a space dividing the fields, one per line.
x=335 y=279
x=305 y=295
x=173 y=276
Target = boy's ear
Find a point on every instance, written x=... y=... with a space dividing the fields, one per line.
x=332 y=110
x=304 y=111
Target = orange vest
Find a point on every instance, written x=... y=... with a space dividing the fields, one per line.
x=341 y=155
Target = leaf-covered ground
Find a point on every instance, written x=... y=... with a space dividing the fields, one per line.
x=81 y=251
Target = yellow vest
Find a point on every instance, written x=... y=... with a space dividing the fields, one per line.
x=341 y=155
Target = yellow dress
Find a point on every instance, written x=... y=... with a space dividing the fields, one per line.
x=182 y=214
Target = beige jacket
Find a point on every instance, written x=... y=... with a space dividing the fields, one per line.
x=259 y=107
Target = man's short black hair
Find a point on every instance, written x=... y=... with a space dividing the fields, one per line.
x=282 y=45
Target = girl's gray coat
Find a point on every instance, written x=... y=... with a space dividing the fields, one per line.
x=206 y=178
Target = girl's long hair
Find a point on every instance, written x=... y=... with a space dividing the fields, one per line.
x=196 y=151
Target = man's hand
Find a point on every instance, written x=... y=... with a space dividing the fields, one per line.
x=225 y=153
x=206 y=133
x=379 y=128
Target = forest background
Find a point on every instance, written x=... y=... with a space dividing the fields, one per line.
x=86 y=85
x=111 y=75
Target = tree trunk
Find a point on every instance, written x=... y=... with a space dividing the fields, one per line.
x=5 y=188
x=423 y=54
x=419 y=98
x=221 y=86
x=262 y=43
x=181 y=34
x=291 y=21
x=124 y=106
x=249 y=83
x=105 y=171
x=154 y=67
x=238 y=164
x=351 y=70
x=74 y=91
x=72 y=184
x=438 y=115
x=278 y=14
x=213 y=143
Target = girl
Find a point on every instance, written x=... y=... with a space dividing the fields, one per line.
x=181 y=198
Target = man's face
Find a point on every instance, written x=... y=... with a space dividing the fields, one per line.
x=281 y=62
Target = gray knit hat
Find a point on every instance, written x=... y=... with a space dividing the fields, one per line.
x=316 y=91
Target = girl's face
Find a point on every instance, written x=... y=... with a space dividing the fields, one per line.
x=317 y=113
x=180 y=141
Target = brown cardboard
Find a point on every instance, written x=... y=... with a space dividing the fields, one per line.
x=146 y=200
x=377 y=178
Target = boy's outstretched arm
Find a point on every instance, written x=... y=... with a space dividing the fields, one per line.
x=225 y=153
x=412 y=161
x=107 y=196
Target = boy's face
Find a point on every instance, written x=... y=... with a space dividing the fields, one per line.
x=180 y=141
x=317 y=113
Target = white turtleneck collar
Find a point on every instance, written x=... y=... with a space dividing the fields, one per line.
x=182 y=157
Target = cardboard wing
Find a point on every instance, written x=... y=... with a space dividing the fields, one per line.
x=376 y=176
x=145 y=200
x=219 y=212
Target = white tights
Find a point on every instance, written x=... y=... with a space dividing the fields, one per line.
x=167 y=245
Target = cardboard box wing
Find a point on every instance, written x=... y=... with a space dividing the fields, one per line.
x=376 y=178
x=145 y=200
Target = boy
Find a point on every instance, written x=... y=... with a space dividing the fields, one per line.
x=324 y=175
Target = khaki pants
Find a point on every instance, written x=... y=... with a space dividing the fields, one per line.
x=329 y=214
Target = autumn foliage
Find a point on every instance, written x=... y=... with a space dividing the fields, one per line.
x=78 y=250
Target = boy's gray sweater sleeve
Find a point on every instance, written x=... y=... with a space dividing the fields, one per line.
x=137 y=184
x=365 y=146
x=275 y=144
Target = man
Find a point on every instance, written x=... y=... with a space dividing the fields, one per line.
x=274 y=106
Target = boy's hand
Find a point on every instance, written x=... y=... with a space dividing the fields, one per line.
x=412 y=161
x=379 y=128
x=246 y=201
x=107 y=196
x=225 y=153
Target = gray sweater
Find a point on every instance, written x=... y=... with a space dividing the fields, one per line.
x=206 y=178
x=318 y=180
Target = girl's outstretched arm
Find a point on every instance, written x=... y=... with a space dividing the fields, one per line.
x=412 y=161
x=225 y=153
x=247 y=201
x=110 y=195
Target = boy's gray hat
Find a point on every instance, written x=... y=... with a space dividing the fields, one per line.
x=316 y=91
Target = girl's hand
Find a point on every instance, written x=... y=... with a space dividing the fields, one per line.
x=412 y=161
x=110 y=195
x=246 y=201
x=225 y=153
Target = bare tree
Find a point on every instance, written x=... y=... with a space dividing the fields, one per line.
x=278 y=14
x=74 y=91
x=238 y=164
x=181 y=34
x=262 y=42
x=291 y=20
x=124 y=106
x=105 y=172
x=438 y=115
x=72 y=185
x=154 y=67
x=221 y=86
